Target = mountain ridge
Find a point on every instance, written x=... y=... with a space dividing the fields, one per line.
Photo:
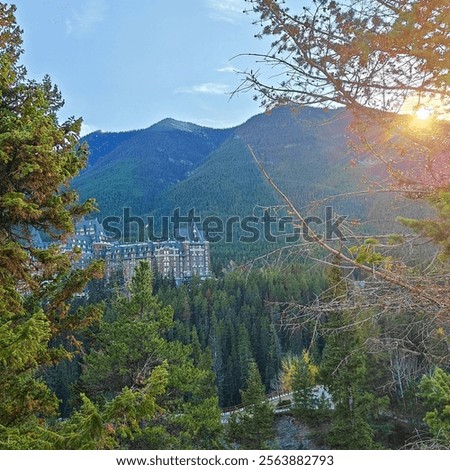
x=174 y=164
x=132 y=168
x=146 y=156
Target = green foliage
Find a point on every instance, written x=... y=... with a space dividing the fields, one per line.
x=152 y=392
x=252 y=428
x=132 y=169
x=344 y=370
x=435 y=391
x=237 y=318
x=31 y=435
x=343 y=375
x=38 y=158
x=304 y=380
x=85 y=429
x=366 y=254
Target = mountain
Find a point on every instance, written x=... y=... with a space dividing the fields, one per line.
x=130 y=169
x=175 y=164
x=305 y=152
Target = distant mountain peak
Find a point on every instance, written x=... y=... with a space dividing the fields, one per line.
x=173 y=124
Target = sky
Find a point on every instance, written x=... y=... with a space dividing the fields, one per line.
x=126 y=64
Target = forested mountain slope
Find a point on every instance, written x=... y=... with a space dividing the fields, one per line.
x=130 y=169
x=180 y=165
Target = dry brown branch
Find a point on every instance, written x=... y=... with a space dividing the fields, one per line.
x=416 y=289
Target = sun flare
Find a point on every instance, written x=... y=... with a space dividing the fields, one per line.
x=424 y=113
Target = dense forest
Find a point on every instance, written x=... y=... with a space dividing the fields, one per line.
x=217 y=330
x=221 y=325
x=346 y=337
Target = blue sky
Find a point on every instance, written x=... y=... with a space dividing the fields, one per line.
x=126 y=64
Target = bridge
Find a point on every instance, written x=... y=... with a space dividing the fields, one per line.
x=275 y=398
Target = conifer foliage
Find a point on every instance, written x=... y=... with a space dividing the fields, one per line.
x=344 y=370
x=435 y=391
x=252 y=428
x=38 y=157
x=147 y=391
x=304 y=380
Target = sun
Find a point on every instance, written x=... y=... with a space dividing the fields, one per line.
x=423 y=113
x=427 y=108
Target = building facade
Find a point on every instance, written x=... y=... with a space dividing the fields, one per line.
x=182 y=258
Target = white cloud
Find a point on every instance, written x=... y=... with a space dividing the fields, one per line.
x=226 y=10
x=87 y=18
x=206 y=88
x=228 y=70
x=87 y=129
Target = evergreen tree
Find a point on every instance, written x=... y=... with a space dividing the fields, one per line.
x=216 y=355
x=435 y=391
x=179 y=410
x=344 y=371
x=244 y=354
x=252 y=428
x=272 y=359
x=38 y=158
x=304 y=380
